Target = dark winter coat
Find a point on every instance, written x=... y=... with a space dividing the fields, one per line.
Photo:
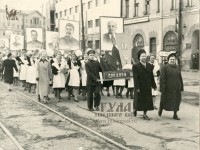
x=93 y=68
x=143 y=81
x=7 y=67
x=171 y=85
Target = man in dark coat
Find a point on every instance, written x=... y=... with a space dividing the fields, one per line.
x=93 y=81
x=171 y=85
x=7 y=68
x=143 y=83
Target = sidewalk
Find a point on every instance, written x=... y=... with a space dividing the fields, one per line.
x=191 y=81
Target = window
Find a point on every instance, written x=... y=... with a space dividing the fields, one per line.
x=97 y=44
x=127 y=8
x=147 y=8
x=153 y=45
x=139 y=41
x=30 y=21
x=90 y=44
x=22 y=27
x=18 y=27
x=97 y=3
x=89 y=4
x=76 y=9
x=189 y=3
x=70 y=11
x=136 y=5
x=90 y=24
x=56 y=15
x=83 y=6
x=35 y=20
x=60 y=14
x=106 y=1
x=158 y=6
x=170 y=41
x=66 y=12
x=97 y=22
x=173 y=4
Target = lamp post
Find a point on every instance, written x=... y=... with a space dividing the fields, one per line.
x=82 y=27
x=179 y=47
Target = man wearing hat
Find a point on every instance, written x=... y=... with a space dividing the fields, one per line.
x=93 y=81
x=7 y=68
x=143 y=83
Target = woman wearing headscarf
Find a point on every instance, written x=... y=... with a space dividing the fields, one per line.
x=171 y=85
x=143 y=82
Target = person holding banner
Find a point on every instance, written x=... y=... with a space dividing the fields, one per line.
x=143 y=83
x=93 y=70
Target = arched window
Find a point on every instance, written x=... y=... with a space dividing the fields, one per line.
x=138 y=41
x=170 y=41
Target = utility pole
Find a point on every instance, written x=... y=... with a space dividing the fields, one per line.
x=179 y=48
x=82 y=27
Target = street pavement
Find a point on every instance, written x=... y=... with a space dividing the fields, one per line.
x=116 y=121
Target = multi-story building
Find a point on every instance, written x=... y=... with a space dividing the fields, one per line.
x=92 y=10
x=153 y=26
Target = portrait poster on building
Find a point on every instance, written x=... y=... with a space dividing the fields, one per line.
x=52 y=42
x=68 y=35
x=34 y=38
x=16 y=42
x=110 y=27
x=4 y=44
x=8 y=33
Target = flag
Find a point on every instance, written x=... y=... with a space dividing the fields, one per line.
x=176 y=25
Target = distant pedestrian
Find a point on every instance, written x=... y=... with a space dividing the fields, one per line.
x=143 y=82
x=7 y=67
x=93 y=81
x=171 y=85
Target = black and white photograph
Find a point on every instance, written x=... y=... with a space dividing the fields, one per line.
x=99 y=75
x=68 y=34
x=16 y=42
x=34 y=38
x=110 y=27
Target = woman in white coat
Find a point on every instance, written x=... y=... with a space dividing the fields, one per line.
x=74 y=76
x=84 y=76
x=58 y=69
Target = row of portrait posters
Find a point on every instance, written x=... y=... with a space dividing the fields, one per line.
x=111 y=33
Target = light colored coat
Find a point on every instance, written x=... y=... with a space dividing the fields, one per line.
x=43 y=72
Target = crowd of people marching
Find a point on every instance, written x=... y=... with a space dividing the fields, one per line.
x=80 y=73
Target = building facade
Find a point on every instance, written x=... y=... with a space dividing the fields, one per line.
x=153 y=25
